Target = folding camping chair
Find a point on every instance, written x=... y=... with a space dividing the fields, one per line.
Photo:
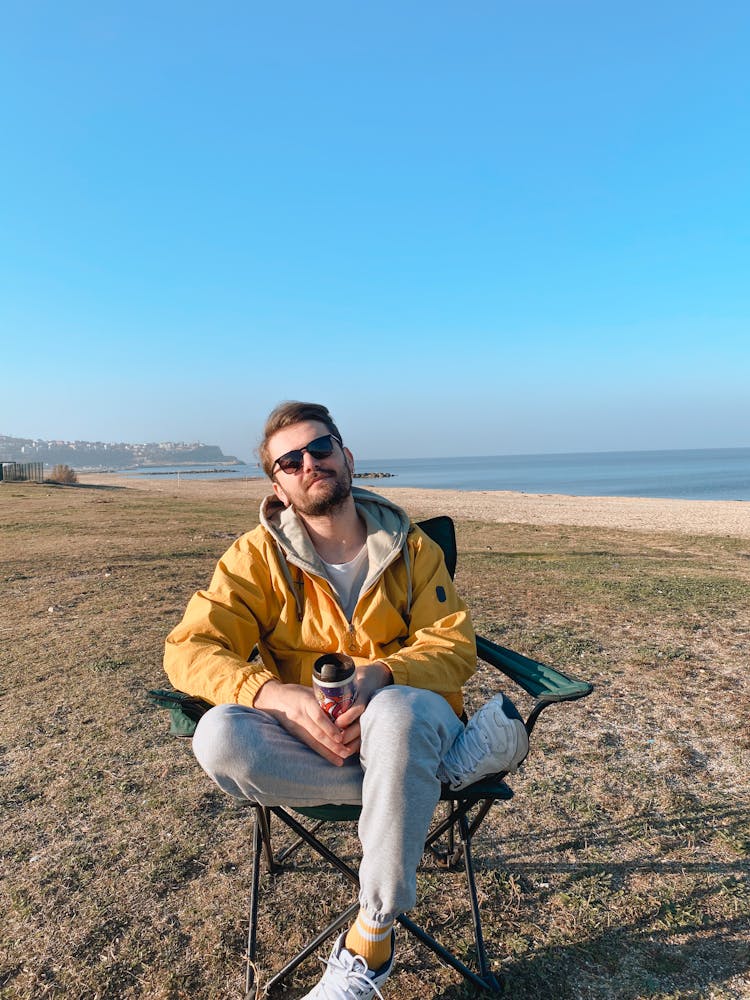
x=463 y=811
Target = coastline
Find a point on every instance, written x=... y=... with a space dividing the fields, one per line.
x=691 y=517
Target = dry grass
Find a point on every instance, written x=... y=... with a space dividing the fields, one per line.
x=619 y=870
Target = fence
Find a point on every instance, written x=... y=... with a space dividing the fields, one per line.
x=22 y=472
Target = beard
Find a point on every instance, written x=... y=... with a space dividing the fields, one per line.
x=337 y=490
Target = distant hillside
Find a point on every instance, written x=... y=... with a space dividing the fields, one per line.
x=104 y=455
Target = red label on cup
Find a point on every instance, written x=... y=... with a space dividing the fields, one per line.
x=335 y=699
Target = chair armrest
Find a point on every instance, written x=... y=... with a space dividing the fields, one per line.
x=537 y=679
x=185 y=710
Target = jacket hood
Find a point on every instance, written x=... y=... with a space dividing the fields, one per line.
x=387 y=528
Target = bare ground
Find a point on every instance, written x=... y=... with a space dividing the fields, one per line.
x=620 y=869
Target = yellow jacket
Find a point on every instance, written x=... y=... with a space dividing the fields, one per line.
x=270 y=591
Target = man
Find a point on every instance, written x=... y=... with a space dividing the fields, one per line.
x=332 y=568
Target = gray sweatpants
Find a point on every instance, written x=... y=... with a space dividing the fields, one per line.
x=405 y=734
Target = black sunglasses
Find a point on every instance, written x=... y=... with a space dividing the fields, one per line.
x=291 y=461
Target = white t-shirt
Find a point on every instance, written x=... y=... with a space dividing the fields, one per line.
x=347 y=579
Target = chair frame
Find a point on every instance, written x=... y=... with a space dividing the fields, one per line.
x=545 y=684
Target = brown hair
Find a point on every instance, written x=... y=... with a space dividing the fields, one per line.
x=287 y=414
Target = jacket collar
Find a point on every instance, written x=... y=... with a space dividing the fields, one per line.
x=387 y=527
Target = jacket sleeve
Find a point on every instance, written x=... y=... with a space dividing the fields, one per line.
x=440 y=652
x=206 y=654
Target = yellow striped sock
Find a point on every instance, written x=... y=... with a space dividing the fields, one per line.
x=371 y=941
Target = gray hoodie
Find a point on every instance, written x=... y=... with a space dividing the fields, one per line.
x=387 y=527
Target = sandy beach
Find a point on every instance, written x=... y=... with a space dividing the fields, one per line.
x=692 y=517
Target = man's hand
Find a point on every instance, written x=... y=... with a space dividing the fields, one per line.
x=369 y=679
x=298 y=711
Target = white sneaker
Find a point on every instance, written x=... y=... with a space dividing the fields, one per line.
x=348 y=977
x=495 y=739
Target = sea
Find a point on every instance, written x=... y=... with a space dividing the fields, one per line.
x=695 y=474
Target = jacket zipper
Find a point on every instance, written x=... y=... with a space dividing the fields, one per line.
x=350 y=642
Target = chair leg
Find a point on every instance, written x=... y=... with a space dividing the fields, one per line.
x=309 y=949
x=318 y=846
x=490 y=981
x=251 y=985
x=263 y=816
x=291 y=849
x=448 y=857
x=445 y=955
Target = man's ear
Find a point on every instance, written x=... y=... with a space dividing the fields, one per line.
x=280 y=493
x=349 y=459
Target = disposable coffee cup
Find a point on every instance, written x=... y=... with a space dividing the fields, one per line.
x=333 y=683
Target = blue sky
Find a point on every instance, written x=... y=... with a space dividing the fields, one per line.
x=484 y=228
